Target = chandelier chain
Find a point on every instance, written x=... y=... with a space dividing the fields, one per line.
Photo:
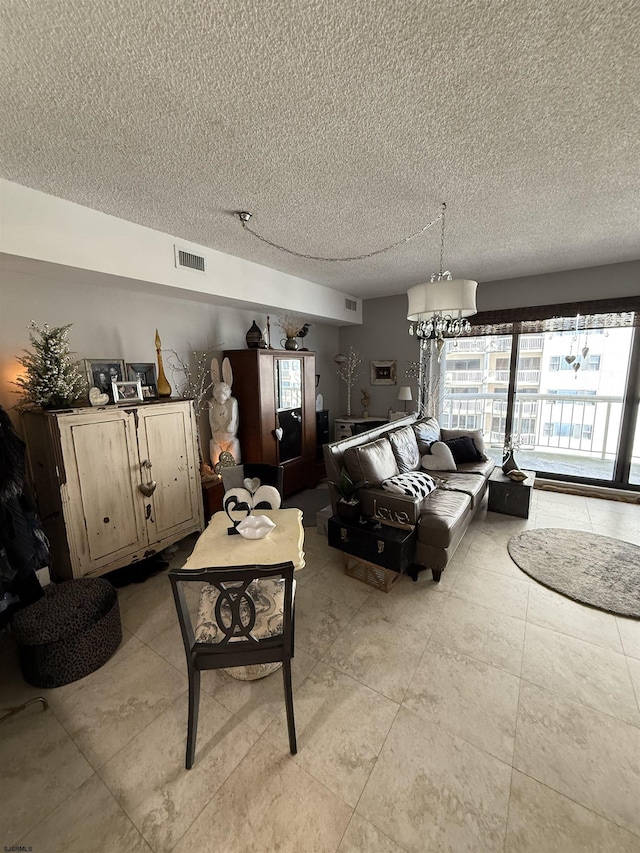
x=444 y=208
x=244 y=218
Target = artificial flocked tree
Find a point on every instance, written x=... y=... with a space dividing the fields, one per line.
x=53 y=379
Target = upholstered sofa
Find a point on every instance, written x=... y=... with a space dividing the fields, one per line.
x=394 y=459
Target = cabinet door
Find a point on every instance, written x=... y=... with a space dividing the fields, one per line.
x=166 y=440
x=98 y=484
x=289 y=407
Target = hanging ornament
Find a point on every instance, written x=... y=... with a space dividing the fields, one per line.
x=585 y=352
x=570 y=359
x=576 y=367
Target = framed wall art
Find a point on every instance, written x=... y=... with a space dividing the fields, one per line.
x=146 y=373
x=127 y=392
x=384 y=372
x=103 y=372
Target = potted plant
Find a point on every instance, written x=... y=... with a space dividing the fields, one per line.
x=348 y=503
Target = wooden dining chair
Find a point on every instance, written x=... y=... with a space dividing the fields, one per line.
x=245 y=618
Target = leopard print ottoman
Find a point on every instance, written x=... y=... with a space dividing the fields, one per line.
x=68 y=633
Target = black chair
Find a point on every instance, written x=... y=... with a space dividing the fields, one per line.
x=269 y=475
x=245 y=617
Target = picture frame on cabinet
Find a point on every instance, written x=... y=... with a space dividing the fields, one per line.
x=144 y=371
x=384 y=372
x=127 y=392
x=103 y=372
x=150 y=392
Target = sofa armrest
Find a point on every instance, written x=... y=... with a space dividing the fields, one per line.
x=394 y=507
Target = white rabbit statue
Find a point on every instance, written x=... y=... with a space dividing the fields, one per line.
x=223 y=413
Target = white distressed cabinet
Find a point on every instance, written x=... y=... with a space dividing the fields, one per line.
x=94 y=472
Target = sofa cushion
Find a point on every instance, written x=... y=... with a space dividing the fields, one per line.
x=405 y=448
x=464 y=449
x=485 y=467
x=469 y=484
x=475 y=434
x=372 y=462
x=415 y=484
x=439 y=459
x=444 y=518
x=426 y=433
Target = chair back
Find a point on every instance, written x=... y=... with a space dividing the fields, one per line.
x=244 y=614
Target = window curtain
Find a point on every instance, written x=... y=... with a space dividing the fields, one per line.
x=596 y=314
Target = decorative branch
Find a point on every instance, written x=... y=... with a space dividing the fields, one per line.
x=193 y=383
x=347 y=371
x=290 y=324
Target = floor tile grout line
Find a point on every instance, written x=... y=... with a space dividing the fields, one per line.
x=636 y=690
x=577 y=639
x=24 y=837
x=576 y=802
x=175 y=702
x=364 y=787
x=458 y=735
x=581 y=704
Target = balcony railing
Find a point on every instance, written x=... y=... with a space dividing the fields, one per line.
x=579 y=425
x=466 y=345
x=525 y=377
x=465 y=376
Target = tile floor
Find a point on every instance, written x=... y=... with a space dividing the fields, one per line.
x=484 y=713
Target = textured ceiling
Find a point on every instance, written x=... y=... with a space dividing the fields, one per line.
x=340 y=125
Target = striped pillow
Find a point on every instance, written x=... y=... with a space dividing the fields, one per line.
x=414 y=484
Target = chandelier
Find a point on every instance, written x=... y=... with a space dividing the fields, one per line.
x=440 y=306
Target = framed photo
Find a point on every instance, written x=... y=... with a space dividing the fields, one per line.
x=384 y=372
x=145 y=372
x=103 y=372
x=150 y=392
x=127 y=392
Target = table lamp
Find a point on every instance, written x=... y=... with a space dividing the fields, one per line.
x=404 y=394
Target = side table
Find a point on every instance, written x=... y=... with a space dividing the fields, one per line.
x=511 y=497
x=380 y=553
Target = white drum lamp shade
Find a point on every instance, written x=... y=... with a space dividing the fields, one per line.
x=456 y=298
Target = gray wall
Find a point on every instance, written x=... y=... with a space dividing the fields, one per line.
x=117 y=318
x=114 y=317
x=384 y=334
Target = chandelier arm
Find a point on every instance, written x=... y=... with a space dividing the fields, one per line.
x=244 y=219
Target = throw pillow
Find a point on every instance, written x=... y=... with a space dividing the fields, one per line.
x=405 y=449
x=464 y=450
x=440 y=458
x=475 y=434
x=426 y=433
x=414 y=484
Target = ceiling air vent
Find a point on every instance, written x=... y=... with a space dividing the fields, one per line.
x=189 y=260
x=351 y=304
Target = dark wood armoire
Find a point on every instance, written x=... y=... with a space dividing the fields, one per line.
x=275 y=390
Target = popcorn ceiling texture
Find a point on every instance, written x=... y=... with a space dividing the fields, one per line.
x=341 y=126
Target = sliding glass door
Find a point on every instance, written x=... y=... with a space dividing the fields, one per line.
x=568 y=413
x=564 y=398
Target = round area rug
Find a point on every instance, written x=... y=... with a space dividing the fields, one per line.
x=592 y=569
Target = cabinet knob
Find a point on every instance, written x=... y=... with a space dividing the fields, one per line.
x=380 y=546
x=343 y=535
